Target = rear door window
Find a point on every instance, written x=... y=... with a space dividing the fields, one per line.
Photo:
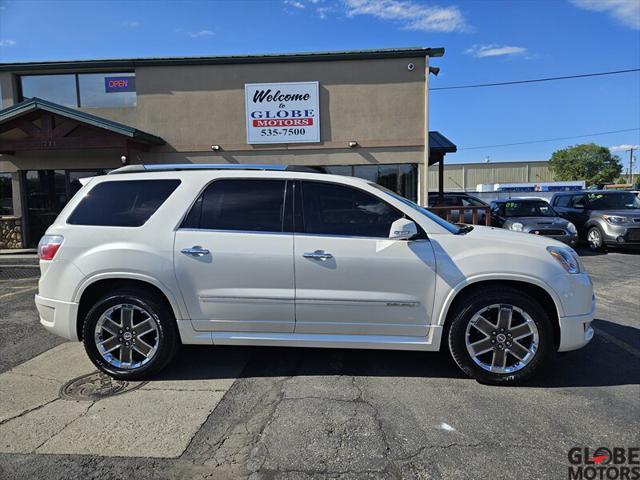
x=122 y=203
x=562 y=201
x=240 y=205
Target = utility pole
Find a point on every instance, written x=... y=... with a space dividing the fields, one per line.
x=631 y=166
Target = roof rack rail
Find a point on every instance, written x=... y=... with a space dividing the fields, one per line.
x=167 y=167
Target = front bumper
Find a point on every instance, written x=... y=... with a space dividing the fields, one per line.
x=621 y=234
x=576 y=331
x=570 y=240
x=58 y=317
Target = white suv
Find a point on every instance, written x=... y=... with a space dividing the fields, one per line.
x=151 y=257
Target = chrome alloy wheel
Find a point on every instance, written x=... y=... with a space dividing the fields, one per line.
x=127 y=336
x=594 y=238
x=502 y=338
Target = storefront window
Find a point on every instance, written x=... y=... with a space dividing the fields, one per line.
x=110 y=90
x=59 y=89
x=6 y=194
x=47 y=192
x=107 y=90
x=399 y=178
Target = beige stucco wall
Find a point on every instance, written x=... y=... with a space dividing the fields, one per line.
x=378 y=103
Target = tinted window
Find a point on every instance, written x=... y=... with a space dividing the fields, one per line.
x=6 y=194
x=578 y=200
x=246 y=205
x=122 y=203
x=59 y=89
x=613 y=201
x=107 y=89
x=472 y=202
x=562 y=201
x=331 y=209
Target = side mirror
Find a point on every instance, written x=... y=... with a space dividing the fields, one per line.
x=403 y=229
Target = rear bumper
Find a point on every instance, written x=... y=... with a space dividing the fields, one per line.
x=58 y=317
x=576 y=331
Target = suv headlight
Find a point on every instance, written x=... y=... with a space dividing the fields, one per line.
x=572 y=228
x=516 y=227
x=615 y=219
x=566 y=257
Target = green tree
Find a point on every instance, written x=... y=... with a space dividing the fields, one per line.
x=590 y=162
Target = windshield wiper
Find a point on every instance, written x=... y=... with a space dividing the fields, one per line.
x=464 y=229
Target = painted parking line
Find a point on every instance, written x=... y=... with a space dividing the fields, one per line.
x=619 y=343
x=19 y=291
x=159 y=419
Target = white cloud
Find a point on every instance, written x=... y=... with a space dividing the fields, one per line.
x=7 y=43
x=482 y=51
x=624 y=148
x=410 y=14
x=200 y=33
x=627 y=12
x=130 y=24
x=294 y=3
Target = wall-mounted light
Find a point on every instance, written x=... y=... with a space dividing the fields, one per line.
x=434 y=70
x=215 y=148
x=353 y=144
x=124 y=159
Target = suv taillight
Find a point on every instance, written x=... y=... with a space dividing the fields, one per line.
x=48 y=246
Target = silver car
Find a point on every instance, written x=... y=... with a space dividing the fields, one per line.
x=532 y=215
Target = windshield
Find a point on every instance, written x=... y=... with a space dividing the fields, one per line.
x=613 y=201
x=432 y=216
x=528 y=208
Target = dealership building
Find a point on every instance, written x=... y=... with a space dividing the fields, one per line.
x=362 y=113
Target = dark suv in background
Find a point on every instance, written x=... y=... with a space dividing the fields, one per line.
x=602 y=217
x=459 y=199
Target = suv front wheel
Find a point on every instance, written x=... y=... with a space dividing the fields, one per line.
x=500 y=336
x=130 y=335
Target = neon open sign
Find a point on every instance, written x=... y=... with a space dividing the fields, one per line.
x=119 y=84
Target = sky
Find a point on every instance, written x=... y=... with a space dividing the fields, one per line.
x=485 y=42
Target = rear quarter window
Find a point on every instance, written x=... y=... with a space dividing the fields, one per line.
x=122 y=203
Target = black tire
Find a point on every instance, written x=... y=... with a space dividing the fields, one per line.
x=474 y=302
x=166 y=335
x=596 y=233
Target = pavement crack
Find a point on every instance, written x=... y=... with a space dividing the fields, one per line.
x=26 y=412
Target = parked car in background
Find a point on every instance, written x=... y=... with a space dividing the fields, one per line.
x=602 y=217
x=152 y=256
x=532 y=215
x=459 y=199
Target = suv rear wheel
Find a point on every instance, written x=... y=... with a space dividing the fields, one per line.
x=130 y=335
x=500 y=336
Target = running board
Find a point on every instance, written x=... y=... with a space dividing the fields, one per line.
x=376 y=342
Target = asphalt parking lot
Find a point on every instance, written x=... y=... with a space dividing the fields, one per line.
x=302 y=413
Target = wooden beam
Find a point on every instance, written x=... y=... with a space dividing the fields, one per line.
x=29 y=128
x=62 y=143
x=65 y=128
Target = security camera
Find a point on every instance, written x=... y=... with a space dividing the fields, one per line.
x=411 y=67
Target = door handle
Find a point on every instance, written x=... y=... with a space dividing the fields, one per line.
x=195 y=251
x=320 y=255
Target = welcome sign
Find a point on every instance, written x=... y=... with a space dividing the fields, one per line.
x=282 y=112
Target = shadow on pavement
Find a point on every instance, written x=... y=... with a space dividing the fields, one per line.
x=601 y=363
